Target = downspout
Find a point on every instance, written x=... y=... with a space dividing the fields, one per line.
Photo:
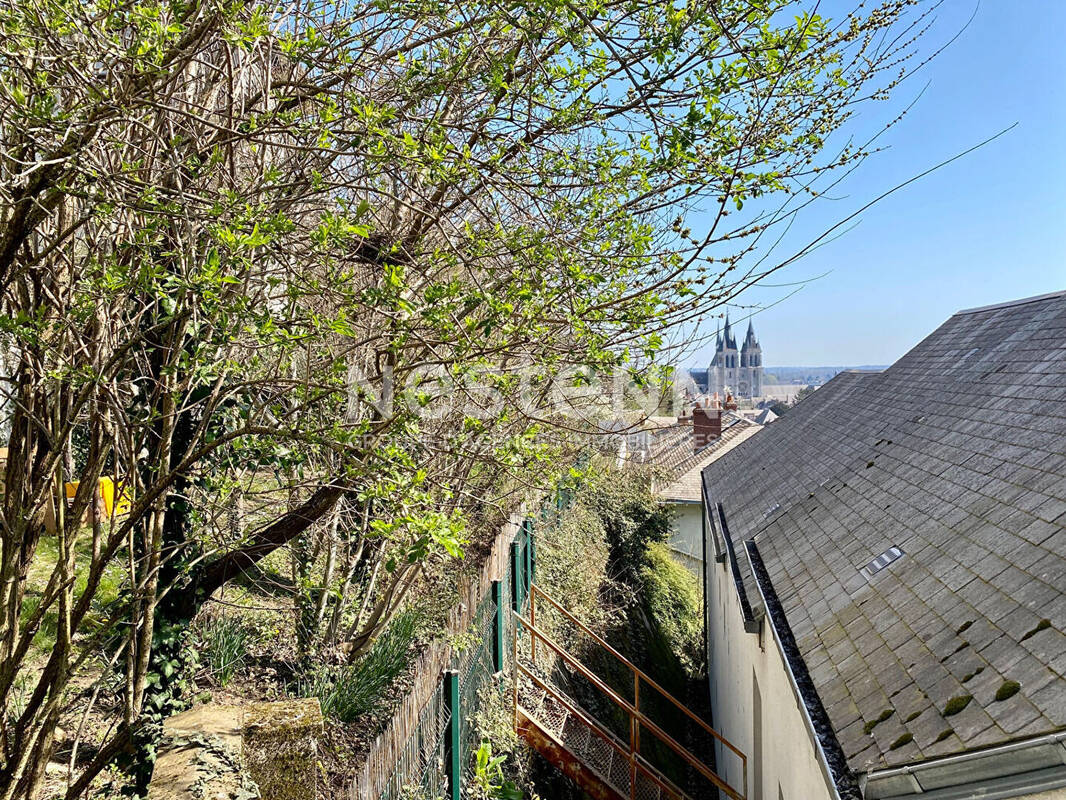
x=703 y=576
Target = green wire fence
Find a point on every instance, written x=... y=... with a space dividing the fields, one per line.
x=439 y=750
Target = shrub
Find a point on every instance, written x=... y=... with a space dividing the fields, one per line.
x=632 y=516
x=572 y=564
x=224 y=643
x=349 y=692
x=673 y=597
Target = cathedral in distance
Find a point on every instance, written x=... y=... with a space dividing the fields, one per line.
x=733 y=369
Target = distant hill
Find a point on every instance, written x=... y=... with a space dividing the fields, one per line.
x=814 y=376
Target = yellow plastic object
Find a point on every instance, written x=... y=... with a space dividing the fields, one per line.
x=122 y=503
x=106 y=492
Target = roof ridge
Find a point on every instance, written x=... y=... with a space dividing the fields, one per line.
x=1021 y=302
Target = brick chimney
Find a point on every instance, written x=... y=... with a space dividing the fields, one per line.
x=730 y=402
x=706 y=426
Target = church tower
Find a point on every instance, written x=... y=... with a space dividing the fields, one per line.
x=733 y=369
x=751 y=365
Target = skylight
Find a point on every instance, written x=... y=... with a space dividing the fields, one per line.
x=882 y=561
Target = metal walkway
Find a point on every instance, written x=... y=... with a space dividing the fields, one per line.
x=590 y=750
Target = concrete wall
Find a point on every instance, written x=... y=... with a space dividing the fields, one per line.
x=785 y=765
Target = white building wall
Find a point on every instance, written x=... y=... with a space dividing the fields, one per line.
x=788 y=760
x=686 y=534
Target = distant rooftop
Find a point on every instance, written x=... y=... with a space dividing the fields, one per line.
x=685 y=464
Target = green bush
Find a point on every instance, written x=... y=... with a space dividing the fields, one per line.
x=224 y=644
x=572 y=564
x=351 y=691
x=590 y=556
x=674 y=601
x=631 y=514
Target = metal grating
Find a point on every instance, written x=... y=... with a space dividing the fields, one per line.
x=476 y=672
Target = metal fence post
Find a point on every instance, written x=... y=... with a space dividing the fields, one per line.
x=532 y=552
x=453 y=760
x=498 y=626
x=527 y=568
x=516 y=577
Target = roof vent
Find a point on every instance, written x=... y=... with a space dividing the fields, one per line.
x=882 y=561
x=771 y=510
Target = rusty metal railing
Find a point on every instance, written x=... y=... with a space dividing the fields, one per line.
x=637 y=720
x=636 y=766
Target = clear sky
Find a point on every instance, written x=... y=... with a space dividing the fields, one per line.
x=987 y=228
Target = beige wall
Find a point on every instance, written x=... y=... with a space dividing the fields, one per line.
x=790 y=766
x=686 y=534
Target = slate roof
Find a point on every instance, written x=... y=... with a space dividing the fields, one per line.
x=688 y=464
x=956 y=455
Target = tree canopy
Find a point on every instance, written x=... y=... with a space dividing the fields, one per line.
x=312 y=274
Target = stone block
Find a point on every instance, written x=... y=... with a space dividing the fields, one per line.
x=280 y=747
x=199 y=757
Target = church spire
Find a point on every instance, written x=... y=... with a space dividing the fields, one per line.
x=728 y=340
x=749 y=340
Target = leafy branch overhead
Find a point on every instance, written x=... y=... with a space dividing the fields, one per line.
x=301 y=277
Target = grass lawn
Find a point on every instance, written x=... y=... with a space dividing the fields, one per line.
x=41 y=568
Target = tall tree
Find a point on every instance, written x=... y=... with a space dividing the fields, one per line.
x=337 y=254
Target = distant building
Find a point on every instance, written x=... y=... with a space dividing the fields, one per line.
x=733 y=369
x=885 y=581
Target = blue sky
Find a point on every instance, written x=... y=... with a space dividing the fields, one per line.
x=987 y=228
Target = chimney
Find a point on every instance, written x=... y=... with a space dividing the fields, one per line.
x=706 y=426
x=730 y=402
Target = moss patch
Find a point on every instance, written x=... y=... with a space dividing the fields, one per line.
x=905 y=739
x=956 y=651
x=1007 y=690
x=970 y=676
x=1043 y=625
x=913 y=716
x=944 y=734
x=964 y=627
x=957 y=704
x=279 y=746
x=869 y=726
